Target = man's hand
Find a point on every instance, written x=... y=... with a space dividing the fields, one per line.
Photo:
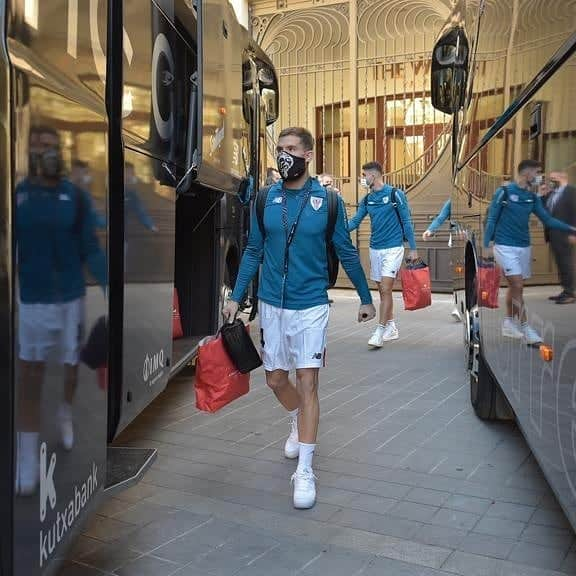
x=488 y=252
x=427 y=235
x=230 y=310
x=413 y=255
x=366 y=312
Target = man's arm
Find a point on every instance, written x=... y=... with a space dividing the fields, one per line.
x=548 y=220
x=406 y=218
x=492 y=218
x=92 y=252
x=441 y=217
x=348 y=255
x=251 y=259
x=354 y=222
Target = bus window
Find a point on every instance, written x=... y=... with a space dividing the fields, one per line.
x=158 y=82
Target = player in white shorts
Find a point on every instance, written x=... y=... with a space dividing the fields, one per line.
x=289 y=244
x=391 y=226
x=507 y=226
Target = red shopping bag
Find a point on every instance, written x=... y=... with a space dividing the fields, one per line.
x=177 y=331
x=218 y=382
x=416 y=289
x=488 y=284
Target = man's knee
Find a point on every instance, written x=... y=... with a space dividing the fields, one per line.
x=277 y=380
x=385 y=287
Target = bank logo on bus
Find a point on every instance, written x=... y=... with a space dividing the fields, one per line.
x=67 y=514
x=153 y=367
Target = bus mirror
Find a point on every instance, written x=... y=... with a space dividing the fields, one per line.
x=270 y=99
x=450 y=71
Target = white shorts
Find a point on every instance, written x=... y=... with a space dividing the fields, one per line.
x=293 y=338
x=514 y=260
x=43 y=328
x=385 y=263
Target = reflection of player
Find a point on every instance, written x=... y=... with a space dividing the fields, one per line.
x=55 y=239
x=272 y=176
x=133 y=203
x=508 y=227
x=81 y=177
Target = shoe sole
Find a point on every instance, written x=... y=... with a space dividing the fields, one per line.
x=374 y=345
x=291 y=455
x=303 y=505
x=391 y=338
x=513 y=336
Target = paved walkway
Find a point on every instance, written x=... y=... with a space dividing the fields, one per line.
x=410 y=482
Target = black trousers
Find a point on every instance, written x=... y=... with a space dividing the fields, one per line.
x=564 y=255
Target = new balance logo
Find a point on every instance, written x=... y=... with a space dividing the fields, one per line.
x=317 y=356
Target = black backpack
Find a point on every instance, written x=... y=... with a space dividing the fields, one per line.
x=395 y=206
x=332 y=203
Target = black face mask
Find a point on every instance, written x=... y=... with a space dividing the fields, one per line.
x=51 y=163
x=290 y=166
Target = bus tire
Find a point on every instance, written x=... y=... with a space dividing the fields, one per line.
x=486 y=396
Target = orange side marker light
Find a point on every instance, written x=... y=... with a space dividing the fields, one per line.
x=546 y=353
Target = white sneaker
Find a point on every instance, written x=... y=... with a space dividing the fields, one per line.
x=292 y=446
x=66 y=427
x=510 y=329
x=304 y=488
x=456 y=314
x=27 y=463
x=530 y=335
x=390 y=332
x=376 y=340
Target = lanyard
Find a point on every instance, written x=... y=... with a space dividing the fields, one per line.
x=289 y=233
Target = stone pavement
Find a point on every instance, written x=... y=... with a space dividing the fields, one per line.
x=411 y=483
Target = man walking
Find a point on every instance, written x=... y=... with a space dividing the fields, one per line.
x=391 y=226
x=507 y=225
x=293 y=293
x=561 y=203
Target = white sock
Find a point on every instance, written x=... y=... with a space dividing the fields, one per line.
x=380 y=325
x=65 y=411
x=305 y=456
x=29 y=445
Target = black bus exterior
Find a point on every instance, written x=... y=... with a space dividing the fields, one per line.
x=523 y=107
x=128 y=133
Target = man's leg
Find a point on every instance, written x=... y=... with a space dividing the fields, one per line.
x=564 y=256
x=515 y=298
x=288 y=396
x=386 y=300
x=284 y=390
x=304 y=486
x=30 y=382
x=307 y=385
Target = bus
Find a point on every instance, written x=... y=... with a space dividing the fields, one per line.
x=506 y=75
x=132 y=136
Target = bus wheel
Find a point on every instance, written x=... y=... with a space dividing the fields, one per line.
x=487 y=398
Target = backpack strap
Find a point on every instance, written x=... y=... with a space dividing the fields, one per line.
x=503 y=202
x=260 y=206
x=332 y=200
x=395 y=205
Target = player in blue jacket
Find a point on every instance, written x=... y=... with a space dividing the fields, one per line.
x=55 y=241
x=507 y=226
x=293 y=294
x=391 y=226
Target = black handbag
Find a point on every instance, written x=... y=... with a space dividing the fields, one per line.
x=239 y=346
x=94 y=353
